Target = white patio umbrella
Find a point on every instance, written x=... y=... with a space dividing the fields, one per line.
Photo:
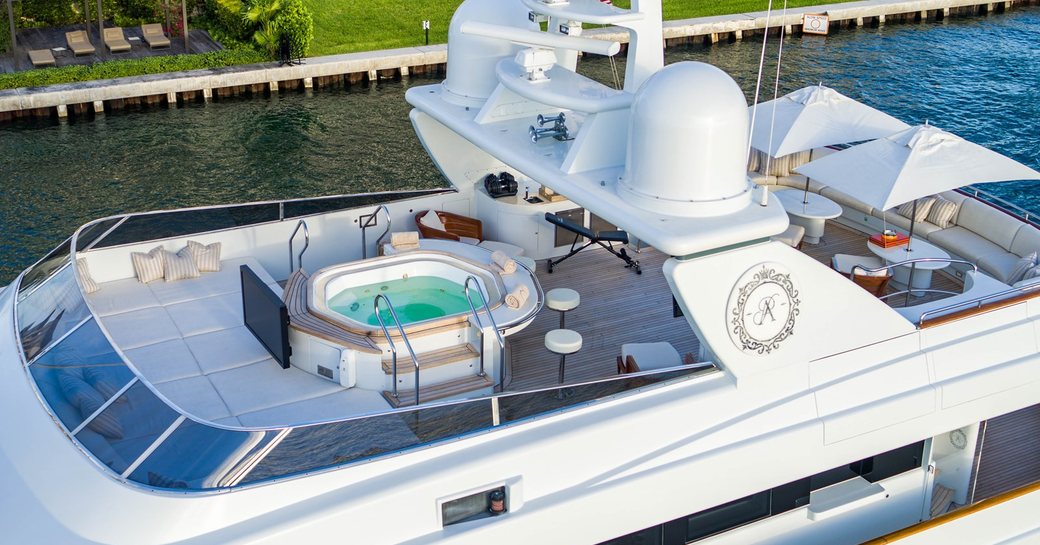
x=816 y=116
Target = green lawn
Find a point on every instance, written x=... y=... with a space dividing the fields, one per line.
x=345 y=26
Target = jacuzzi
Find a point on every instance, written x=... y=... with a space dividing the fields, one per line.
x=425 y=289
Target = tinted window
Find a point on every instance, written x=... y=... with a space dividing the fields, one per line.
x=91 y=233
x=790 y=496
x=188 y=222
x=123 y=431
x=80 y=374
x=894 y=462
x=50 y=311
x=649 y=536
x=295 y=209
x=727 y=516
x=43 y=270
x=200 y=457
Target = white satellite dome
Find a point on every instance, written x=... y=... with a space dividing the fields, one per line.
x=472 y=59
x=687 y=144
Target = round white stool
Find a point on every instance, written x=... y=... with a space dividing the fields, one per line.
x=526 y=261
x=563 y=342
x=562 y=300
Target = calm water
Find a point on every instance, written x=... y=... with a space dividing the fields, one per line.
x=979 y=78
x=417 y=298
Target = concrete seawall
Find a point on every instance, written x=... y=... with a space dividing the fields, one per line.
x=97 y=96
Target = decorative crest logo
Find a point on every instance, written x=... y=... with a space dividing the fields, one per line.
x=763 y=308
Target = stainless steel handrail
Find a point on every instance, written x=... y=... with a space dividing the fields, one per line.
x=480 y=324
x=1008 y=206
x=393 y=347
x=913 y=267
x=977 y=302
x=306 y=244
x=369 y=222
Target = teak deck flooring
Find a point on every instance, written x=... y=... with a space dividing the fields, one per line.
x=618 y=306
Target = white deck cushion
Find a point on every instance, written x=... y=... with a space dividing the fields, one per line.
x=504 y=247
x=651 y=355
x=1021 y=267
x=563 y=341
x=85 y=280
x=207 y=314
x=206 y=256
x=965 y=243
x=227 y=280
x=165 y=361
x=846 y=200
x=141 y=327
x=989 y=223
x=196 y=396
x=122 y=296
x=179 y=266
x=892 y=218
x=942 y=212
x=562 y=299
x=265 y=384
x=1026 y=241
x=226 y=349
x=844 y=263
x=792 y=236
x=1000 y=265
x=761 y=179
x=148 y=267
x=354 y=401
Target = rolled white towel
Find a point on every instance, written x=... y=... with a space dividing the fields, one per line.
x=406 y=240
x=517 y=297
x=504 y=262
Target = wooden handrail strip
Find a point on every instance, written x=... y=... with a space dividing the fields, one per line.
x=972 y=311
x=955 y=515
x=301 y=319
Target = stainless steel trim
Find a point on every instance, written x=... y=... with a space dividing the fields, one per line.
x=393 y=348
x=155 y=444
x=977 y=302
x=306 y=244
x=54 y=343
x=108 y=402
x=103 y=235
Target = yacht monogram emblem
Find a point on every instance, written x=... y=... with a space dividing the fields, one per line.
x=763 y=308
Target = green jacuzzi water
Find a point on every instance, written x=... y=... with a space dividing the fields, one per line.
x=415 y=299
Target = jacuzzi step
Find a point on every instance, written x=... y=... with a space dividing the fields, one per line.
x=433 y=392
x=427 y=360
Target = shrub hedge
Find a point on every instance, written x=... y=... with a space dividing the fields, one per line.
x=129 y=67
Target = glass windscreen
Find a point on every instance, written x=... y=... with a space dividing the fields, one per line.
x=50 y=311
x=124 y=430
x=200 y=457
x=92 y=232
x=188 y=222
x=295 y=209
x=78 y=375
x=43 y=270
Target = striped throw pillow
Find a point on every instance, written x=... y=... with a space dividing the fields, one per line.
x=180 y=265
x=942 y=212
x=148 y=267
x=206 y=256
x=1023 y=266
x=83 y=272
x=923 y=207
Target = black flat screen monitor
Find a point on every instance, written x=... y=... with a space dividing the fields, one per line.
x=266 y=316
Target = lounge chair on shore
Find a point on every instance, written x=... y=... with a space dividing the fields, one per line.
x=79 y=43
x=41 y=57
x=154 y=35
x=115 y=40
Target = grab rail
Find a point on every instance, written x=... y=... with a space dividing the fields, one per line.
x=306 y=244
x=978 y=302
x=369 y=222
x=1000 y=202
x=393 y=347
x=480 y=325
x=913 y=267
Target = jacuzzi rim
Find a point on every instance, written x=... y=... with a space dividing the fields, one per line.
x=320 y=279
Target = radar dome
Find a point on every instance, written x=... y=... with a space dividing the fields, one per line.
x=472 y=59
x=687 y=143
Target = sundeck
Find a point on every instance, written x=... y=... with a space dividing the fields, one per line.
x=312 y=369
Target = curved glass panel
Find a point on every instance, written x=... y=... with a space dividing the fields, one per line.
x=188 y=222
x=81 y=373
x=40 y=272
x=337 y=443
x=93 y=232
x=198 y=457
x=295 y=209
x=49 y=312
x=122 y=432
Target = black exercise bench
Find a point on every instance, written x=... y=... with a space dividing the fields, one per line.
x=605 y=239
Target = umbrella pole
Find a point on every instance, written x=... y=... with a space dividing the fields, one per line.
x=805 y=196
x=913 y=266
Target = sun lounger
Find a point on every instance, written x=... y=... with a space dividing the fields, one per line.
x=153 y=34
x=79 y=43
x=115 y=40
x=41 y=57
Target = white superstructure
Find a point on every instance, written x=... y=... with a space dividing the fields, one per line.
x=808 y=411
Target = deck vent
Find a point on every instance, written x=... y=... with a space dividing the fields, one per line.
x=325 y=372
x=483 y=504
